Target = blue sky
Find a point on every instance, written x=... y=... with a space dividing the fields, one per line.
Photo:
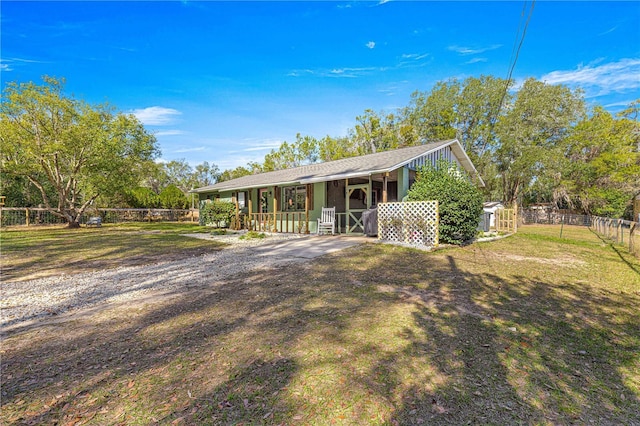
x=225 y=82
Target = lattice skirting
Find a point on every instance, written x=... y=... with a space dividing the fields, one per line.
x=414 y=222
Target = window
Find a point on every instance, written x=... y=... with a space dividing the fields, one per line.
x=293 y=198
x=242 y=200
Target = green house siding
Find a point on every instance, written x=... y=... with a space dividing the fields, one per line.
x=319 y=201
x=403 y=182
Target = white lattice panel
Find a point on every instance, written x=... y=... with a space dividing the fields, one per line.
x=414 y=222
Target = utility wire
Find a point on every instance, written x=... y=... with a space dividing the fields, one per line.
x=517 y=45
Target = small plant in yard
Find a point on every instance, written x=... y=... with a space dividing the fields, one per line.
x=219 y=231
x=253 y=235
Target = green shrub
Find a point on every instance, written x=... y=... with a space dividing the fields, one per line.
x=217 y=213
x=459 y=200
x=253 y=234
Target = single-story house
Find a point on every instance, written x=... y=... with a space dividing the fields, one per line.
x=291 y=200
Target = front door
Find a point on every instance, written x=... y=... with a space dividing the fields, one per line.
x=265 y=200
x=358 y=201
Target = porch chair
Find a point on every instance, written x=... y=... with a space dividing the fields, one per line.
x=327 y=220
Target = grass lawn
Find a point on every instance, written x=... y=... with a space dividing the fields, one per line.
x=531 y=329
x=29 y=253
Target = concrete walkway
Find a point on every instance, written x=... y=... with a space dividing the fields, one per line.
x=308 y=247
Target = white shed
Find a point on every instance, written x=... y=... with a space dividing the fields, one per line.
x=491 y=207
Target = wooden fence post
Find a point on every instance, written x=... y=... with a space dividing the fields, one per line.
x=275 y=218
x=26 y=214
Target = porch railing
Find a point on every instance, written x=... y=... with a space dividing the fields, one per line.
x=294 y=222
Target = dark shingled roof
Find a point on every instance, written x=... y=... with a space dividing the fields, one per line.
x=345 y=168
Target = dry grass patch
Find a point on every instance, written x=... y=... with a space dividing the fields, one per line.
x=29 y=253
x=371 y=335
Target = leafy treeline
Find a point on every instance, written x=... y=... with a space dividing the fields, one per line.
x=167 y=185
x=537 y=143
x=156 y=185
x=531 y=144
x=66 y=155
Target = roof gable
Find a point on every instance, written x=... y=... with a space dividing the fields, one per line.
x=345 y=168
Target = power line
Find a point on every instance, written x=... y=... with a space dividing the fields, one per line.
x=517 y=45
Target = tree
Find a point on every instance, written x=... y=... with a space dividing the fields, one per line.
x=172 y=197
x=459 y=200
x=531 y=133
x=142 y=197
x=467 y=111
x=602 y=170
x=205 y=174
x=432 y=114
x=330 y=149
x=178 y=173
x=81 y=151
x=19 y=192
x=303 y=151
x=234 y=173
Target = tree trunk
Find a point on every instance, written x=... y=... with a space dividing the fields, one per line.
x=73 y=225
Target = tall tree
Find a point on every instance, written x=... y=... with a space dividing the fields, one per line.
x=602 y=173
x=205 y=174
x=234 y=173
x=466 y=110
x=305 y=150
x=178 y=173
x=531 y=132
x=82 y=151
x=330 y=148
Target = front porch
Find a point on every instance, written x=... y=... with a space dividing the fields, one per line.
x=296 y=208
x=292 y=222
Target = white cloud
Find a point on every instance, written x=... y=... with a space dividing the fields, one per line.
x=476 y=60
x=156 y=116
x=194 y=149
x=169 y=133
x=299 y=73
x=463 y=50
x=263 y=145
x=371 y=44
x=610 y=30
x=414 y=56
x=617 y=76
x=7 y=64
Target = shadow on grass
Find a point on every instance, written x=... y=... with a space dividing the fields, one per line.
x=37 y=253
x=311 y=344
x=617 y=250
x=524 y=351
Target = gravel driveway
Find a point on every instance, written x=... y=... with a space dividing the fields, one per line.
x=26 y=301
